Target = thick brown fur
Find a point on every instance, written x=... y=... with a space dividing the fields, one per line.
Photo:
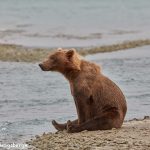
x=100 y=103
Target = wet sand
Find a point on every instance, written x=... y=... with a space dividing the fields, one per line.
x=133 y=135
x=17 y=53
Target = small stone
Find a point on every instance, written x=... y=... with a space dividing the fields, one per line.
x=146 y=117
x=37 y=136
x=84 y=131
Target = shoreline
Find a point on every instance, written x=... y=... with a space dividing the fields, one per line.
x=134 y=134
x=18 y=53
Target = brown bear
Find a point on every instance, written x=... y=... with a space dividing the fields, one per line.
x=100 y=103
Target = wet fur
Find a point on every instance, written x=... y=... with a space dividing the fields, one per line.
x=100 y=103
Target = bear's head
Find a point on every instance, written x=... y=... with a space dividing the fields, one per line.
x=62 y=60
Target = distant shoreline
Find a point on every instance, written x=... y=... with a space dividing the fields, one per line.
x=18 y=53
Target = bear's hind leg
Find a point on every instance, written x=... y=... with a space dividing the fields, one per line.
x=98 y=123
x=61 y=127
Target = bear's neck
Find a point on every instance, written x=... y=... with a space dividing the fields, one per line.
x=70 y=74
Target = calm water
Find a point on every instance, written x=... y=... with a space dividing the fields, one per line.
x=30 y=98
x=55 y=23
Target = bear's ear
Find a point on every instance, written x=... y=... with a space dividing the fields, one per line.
x=59 y=49
x=70 y=53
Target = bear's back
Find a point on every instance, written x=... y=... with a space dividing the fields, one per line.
x=107 y=93
x=104 y=92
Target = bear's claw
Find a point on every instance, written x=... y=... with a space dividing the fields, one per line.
x=69 y=126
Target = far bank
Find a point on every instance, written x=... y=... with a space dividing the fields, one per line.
x=18 y=53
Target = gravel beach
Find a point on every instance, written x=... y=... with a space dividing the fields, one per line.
x=134 y=135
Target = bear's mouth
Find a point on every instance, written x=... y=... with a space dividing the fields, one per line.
x=45 y=68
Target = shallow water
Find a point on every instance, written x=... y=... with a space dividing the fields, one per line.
x=30 y=98
x=53 y=23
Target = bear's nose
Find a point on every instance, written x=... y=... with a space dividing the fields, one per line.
x=41 y=66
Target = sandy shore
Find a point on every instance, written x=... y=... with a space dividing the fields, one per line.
x=134 y=135
x=17 y=53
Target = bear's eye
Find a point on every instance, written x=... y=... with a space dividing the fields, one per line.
x=53 y=59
